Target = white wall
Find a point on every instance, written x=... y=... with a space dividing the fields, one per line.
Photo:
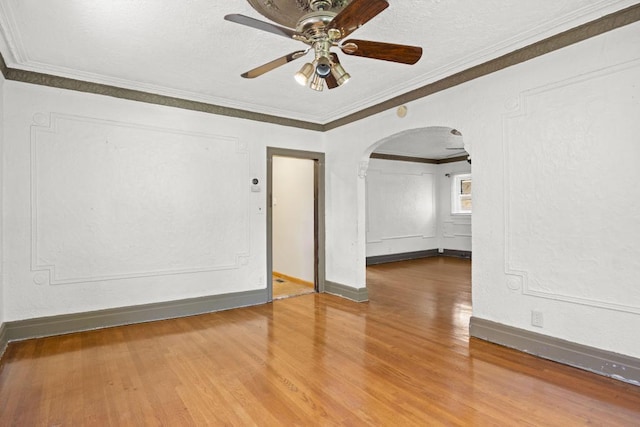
x=554 y=142
x=293 y=217
x=454 y=231
x=401 y=200
x=112 y=203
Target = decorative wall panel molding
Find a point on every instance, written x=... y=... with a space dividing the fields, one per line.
x=114 y=200
x=452 y=229
x=571 y=152
x=400 y=205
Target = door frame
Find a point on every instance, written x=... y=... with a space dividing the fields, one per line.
x=318 y=213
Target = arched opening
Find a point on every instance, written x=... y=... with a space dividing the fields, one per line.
x=418 y=208
x=418 y=195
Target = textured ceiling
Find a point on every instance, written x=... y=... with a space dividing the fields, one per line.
x=187 y=50
x=435 y=142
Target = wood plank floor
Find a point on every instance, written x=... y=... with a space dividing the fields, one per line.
x=404 y=358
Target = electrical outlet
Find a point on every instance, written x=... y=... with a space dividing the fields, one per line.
x=536 y=318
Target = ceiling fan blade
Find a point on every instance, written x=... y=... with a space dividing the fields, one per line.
x=356 y=14
x=261 y=25
x=331 y=81
x=258 y=71
x=384 y=51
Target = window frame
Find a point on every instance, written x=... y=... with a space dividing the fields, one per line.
x=457 y=196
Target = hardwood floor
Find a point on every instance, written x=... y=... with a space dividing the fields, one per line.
x=404 y=358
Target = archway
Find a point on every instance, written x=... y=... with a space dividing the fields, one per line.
x=418 y=196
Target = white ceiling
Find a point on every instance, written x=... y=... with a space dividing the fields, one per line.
x=435 y=142
x=186 y=49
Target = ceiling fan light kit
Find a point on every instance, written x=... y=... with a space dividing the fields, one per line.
x=340 y=74
x=317 y=83
x=321 y=29
x=304 y=75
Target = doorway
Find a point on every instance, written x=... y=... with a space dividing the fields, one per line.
x=295 y=222
x=413 y=207
x=418 y=210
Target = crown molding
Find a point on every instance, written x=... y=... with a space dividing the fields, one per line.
x=397 y=158
x=146 y=97
x=580 y=33
x=566 y=38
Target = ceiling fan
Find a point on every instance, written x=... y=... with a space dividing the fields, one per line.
x=321 y=29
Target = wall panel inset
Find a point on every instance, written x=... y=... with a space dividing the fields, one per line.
x=401 y=207
x=571 y=189
x=113 y=200
x=404 y=205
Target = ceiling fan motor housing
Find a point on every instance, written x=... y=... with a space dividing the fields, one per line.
x=313 y=25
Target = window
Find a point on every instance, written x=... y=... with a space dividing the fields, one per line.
x=461 y=194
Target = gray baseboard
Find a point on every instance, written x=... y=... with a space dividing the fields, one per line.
x=614 y=365
x=456 y=253
x=357 y=295
x=69 y=323
x=405 y=256
x=4 y=339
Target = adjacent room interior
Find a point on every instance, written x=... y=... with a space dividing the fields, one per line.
x=293 y=240
x=418 y=189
